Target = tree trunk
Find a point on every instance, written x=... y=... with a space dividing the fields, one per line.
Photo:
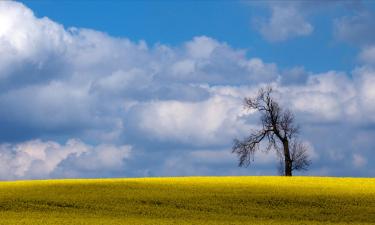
x=288 y=161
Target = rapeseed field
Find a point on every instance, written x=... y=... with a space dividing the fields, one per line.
x=190 y=200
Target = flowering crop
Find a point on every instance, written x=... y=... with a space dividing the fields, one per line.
x=190 y=200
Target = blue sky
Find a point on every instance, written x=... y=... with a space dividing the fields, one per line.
x=138 y=88
x=174 y=22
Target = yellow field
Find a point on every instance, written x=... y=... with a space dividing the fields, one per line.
x=194 y=200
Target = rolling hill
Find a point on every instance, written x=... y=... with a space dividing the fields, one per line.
x=189 y=200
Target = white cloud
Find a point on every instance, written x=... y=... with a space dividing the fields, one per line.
x=324 y=97
x=365 y=83
x=25 y=40
x=42 y=159
x=286 y=21
x=198 y=123
x=260 y=71
x=184 y=67
x=202 y=47
x=103 y=158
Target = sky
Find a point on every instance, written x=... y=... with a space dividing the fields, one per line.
x=156 y=88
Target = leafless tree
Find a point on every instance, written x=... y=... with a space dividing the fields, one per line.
x=278 y=129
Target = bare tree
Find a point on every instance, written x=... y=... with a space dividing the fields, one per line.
x=278 y=130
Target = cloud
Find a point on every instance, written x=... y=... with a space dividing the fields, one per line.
x=78 y=81
x=176 y=106
x=202 y=47
x=293 y=19
x=325 y=97
x=359 y=161
x=286 y=21
x=33 y=45
x=356 y=29
x=43 y=159
x=201 y=123
x=367 y=55
x=214 y=162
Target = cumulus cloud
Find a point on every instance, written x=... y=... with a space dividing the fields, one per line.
x=201 y=123
x=58 y=83
x=43 y=159
x=79 y=80
x=325 y=97
x=286 y=21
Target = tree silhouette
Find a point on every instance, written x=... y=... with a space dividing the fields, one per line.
x=278 y=129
